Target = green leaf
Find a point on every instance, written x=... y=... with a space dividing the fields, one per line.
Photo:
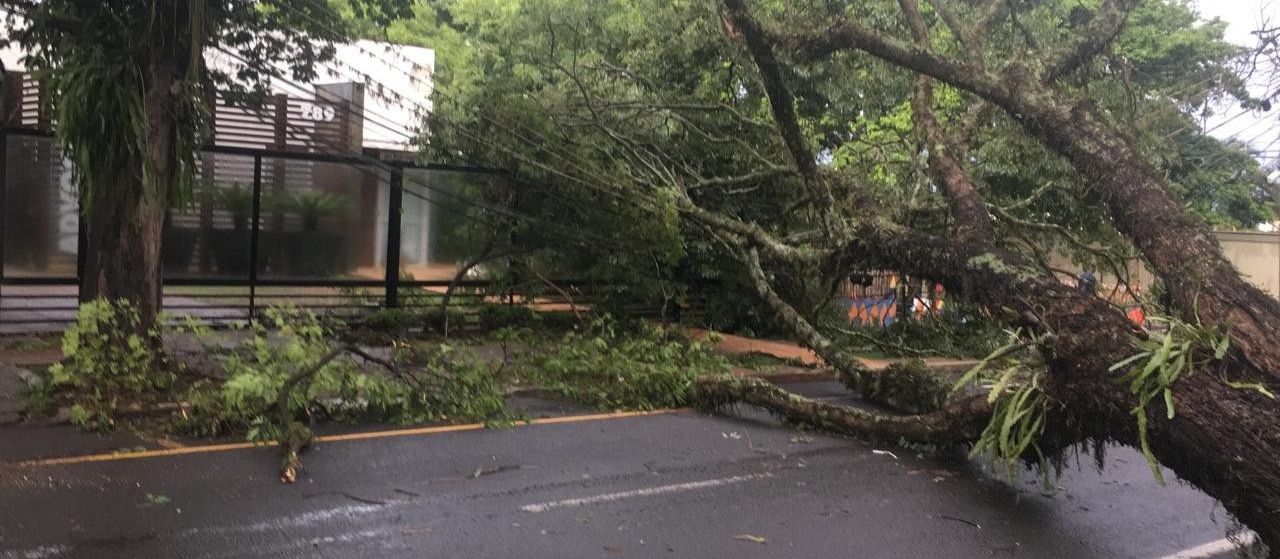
x=1129 y=360
x=1003 y=383
x=1146 y=447
x=1256 y=386
x=1220 y=349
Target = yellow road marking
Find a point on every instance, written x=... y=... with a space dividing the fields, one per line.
x=115 y=456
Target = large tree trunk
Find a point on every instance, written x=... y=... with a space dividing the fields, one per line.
x=1203 y=284
x=123 y=259
x=1224 y=440
x=125 y=229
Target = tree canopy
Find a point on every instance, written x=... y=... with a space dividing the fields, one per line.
x=800 y=142
x=615 y=103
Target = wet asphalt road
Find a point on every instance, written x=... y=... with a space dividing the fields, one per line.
x=674 y=485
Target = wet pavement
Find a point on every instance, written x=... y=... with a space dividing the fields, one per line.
x=681 y=484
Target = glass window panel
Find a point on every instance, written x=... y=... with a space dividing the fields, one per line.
x=319 y=221
x=210 y=237
x=441 y=226
x=41 y=221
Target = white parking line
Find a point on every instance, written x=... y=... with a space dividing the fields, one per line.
x=663 y=490
x=1210 y=549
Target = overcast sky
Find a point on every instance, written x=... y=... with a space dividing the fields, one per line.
x=1260 y=130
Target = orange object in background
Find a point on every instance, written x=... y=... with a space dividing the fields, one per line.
x=1137 y=316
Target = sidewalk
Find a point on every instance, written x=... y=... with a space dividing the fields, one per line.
x=12 y=386
x=731 y=344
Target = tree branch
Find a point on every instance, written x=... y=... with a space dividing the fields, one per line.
x=750 y=231
x=1102 y=29
x=965 y=37
x=768 y=173
x=970 y=210
x=959 y=422
x=780 y=100
x=812 y=45
x=782 y=105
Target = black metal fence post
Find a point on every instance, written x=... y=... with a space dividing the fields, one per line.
x=82 y=252
x=394 y=205
x=513 y=279
x=4 y=186
x=254 y=233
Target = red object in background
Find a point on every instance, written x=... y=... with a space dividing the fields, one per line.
x=1137 y=316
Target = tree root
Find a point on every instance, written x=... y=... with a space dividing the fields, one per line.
x=960 y=421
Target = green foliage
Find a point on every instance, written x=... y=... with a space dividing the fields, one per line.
x=100 y=105
x=393 y=321
x=609 y=365
x=452 y=389
x=497 y=316
x=313 y=205
x=1016 y=422
x=157 y=500
x=40 y=397
x=236 y=199
x=107 y=366
x=425 y=386
x=1018 y=418
x=1182 y=350
x=494 y=317
x=958 y=333
x=909 y=386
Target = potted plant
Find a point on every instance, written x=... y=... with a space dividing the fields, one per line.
x=238 y=201
x=312 y=252
x=312 y=205
x=231 y=248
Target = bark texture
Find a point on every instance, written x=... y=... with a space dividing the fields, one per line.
x=1222 y=439
x=125 y=228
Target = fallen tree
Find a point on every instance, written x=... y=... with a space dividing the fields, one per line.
x=1221 y=428
x=769 y=140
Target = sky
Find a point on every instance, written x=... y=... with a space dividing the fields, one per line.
x=1261 y=130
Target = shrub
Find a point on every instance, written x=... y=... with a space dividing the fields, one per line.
x=494 y=317
x=393 y=321
x=104 y=367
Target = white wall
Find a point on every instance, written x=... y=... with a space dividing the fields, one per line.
x=397 y=80
x=403 y=74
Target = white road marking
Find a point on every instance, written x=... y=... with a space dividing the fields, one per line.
x=1210 y=549
x=41 y=552
x=663 y=490
x=301 y=520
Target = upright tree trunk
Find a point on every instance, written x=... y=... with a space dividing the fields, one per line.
x=125 y=230
x=123 y=260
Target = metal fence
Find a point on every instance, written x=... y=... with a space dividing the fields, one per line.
x=344 y=234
